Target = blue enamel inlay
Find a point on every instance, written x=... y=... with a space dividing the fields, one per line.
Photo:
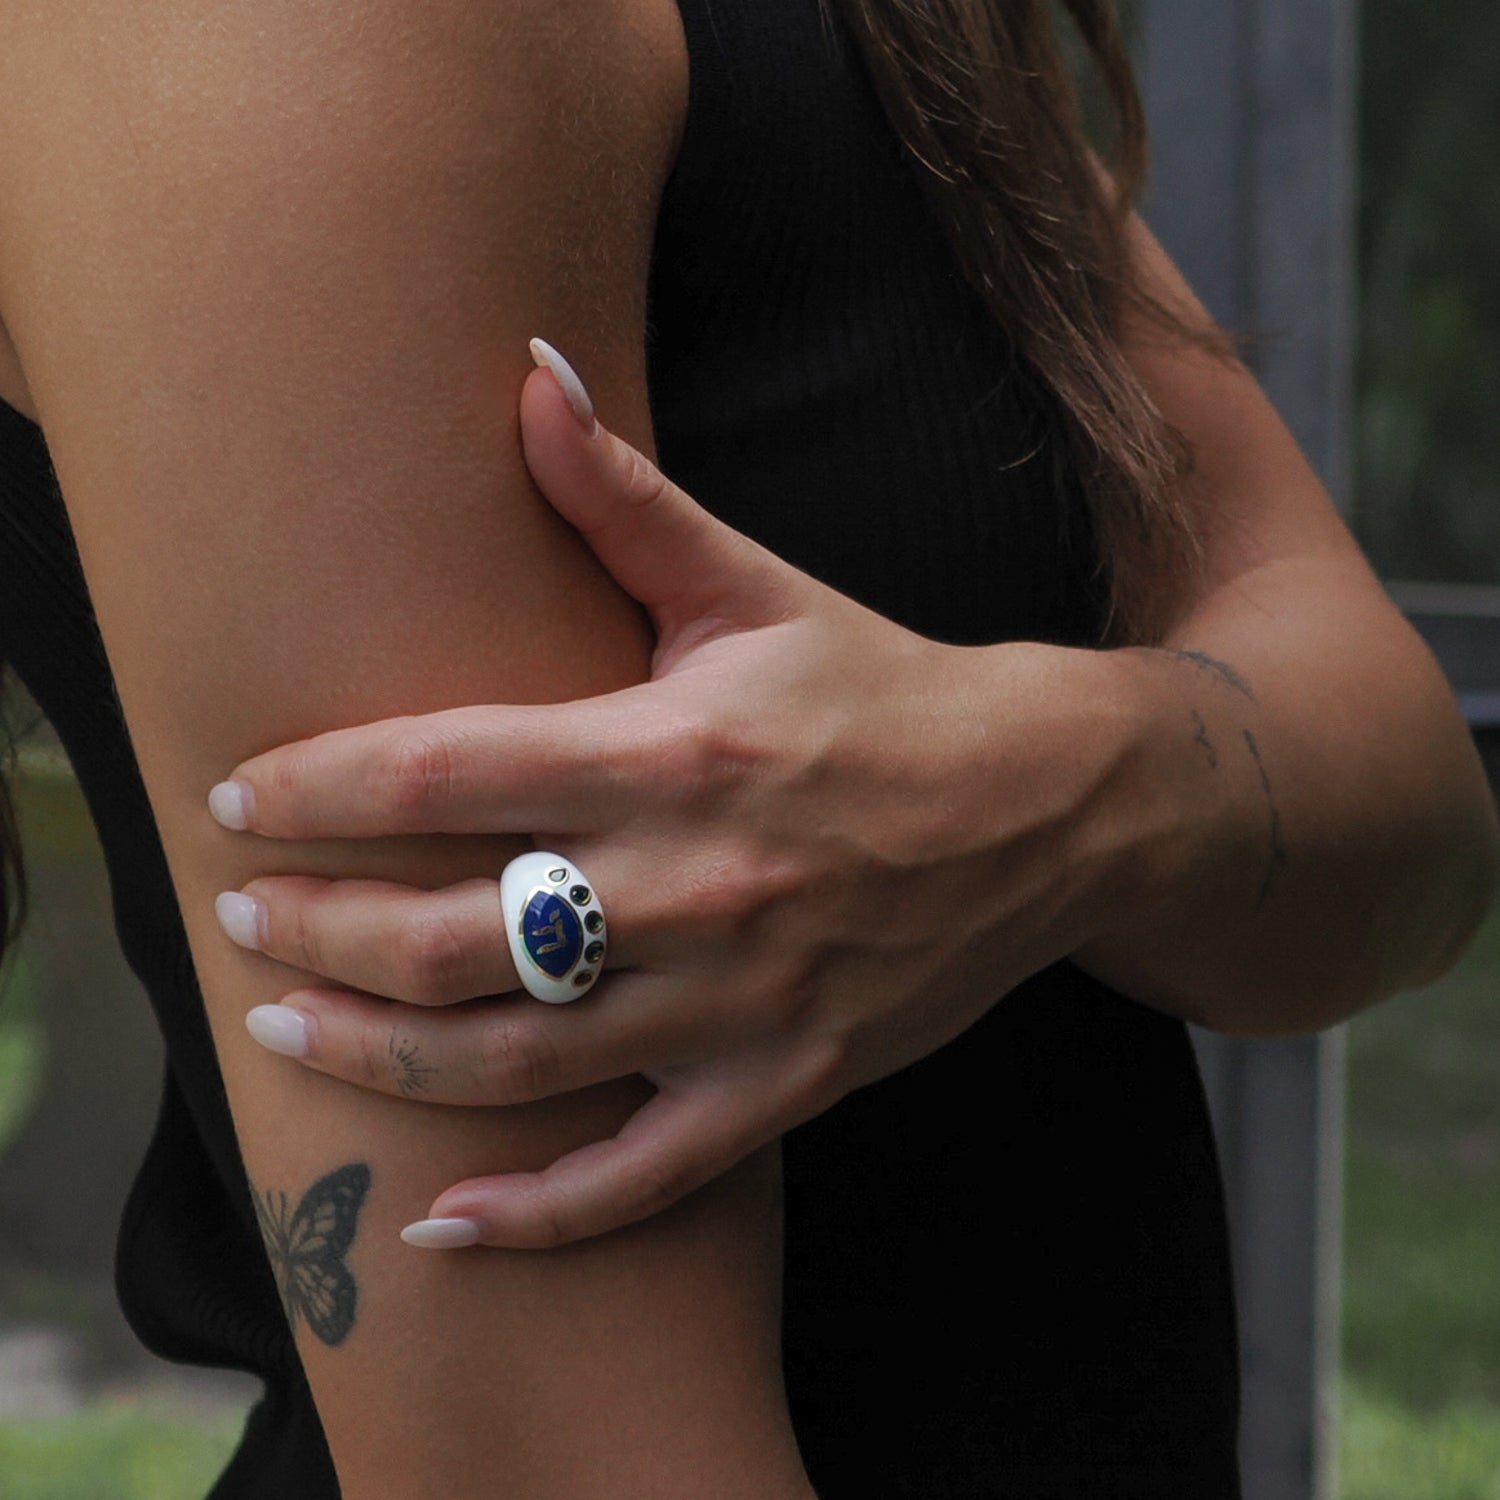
x=552 y=933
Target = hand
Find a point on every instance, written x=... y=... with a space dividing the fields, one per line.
x=825 y=846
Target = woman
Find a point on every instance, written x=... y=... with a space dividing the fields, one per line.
x=889 y=846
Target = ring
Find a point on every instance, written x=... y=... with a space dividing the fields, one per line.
x=554 y=924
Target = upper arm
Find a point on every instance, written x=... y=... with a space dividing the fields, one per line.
x=271 y=272
x=13 y=390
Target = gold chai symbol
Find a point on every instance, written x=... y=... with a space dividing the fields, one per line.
x=555 y=927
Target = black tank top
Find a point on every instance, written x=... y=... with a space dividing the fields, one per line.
x=1007 y=1268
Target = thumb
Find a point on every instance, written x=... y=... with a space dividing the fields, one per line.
x=657 y=542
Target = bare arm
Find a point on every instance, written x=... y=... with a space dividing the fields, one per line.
x=1313 y=826
x=271 y=275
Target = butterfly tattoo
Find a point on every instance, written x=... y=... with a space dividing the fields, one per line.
x=307 y=1249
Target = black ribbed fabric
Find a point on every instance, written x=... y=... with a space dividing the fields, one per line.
x=1007 y=1267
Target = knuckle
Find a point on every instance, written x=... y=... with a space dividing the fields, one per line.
x=294 y=932
x=282 y=786
x=549 y=1227
x=516 y=1062
x=818 y=1079
x=431 y=961
x=420 y=774
x=645 y=484
x=724 y=899
x=657 y=1186
x=737 y=892
x=793 y=993
x=699 y=755
x=369 y=1059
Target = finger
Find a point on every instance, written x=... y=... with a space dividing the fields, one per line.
x=423 y=947
x=660 y=545
x=683 y=1137
x=579 y=767
x=496 y=1052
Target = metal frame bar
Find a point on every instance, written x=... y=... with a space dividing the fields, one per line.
x=1252 y=111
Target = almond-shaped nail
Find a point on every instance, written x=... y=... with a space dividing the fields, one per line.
x=567 y=377
x=240 y=916
x=232 y=804
x=442 y=1234
x=280 y=1029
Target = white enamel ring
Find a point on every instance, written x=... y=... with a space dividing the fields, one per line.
x=554 y=924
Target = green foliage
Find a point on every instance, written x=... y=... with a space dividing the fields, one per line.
x=20 y=1052
x=1428 y=445
x=115 y=1451
x=1421 y=1267
x=20 y=1045
x=1387 y=1452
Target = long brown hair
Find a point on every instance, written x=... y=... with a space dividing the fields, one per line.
x=981 y=93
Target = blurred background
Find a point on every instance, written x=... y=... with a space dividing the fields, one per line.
x=86 y=1415
x=1427 y=438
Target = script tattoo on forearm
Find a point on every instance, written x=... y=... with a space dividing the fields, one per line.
x=307 y=1249
x=1200 y=737
x=1227 y=675
x=407 y=1068
x=1220 y=669
x=1278 y=849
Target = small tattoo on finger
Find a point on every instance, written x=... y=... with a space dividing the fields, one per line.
x=407 y=1068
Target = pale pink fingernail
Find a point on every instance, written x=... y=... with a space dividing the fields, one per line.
x=280 y=1029
x=232 y=804
x=240 y=916
x=442 y=1234
x=567 y=377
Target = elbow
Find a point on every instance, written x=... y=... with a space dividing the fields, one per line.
x=1461 y=870
x=1378 y=928
x=1278 y=1014
x=1468 y=885
x=1459 y=878
x=1412 y=938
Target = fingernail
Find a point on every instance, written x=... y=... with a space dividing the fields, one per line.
x=240 y=916
x=232 y=804
x=442 y=1234
x=279 y=1028
x=567 y=377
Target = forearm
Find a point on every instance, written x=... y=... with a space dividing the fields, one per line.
x=1302 y=826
